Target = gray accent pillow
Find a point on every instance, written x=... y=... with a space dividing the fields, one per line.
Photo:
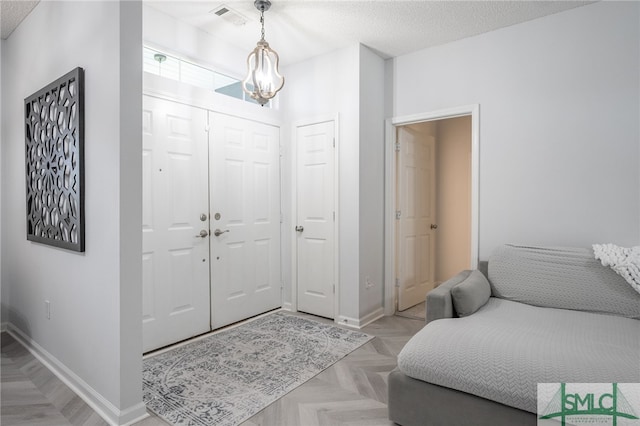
x=471 y=294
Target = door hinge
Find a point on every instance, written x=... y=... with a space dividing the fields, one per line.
x=334 y=216
x=281 y=218
x=398 y=282
x=207 y=128
x=334 y=142
x=397 y=146
x=398 y=214
x=334 y=289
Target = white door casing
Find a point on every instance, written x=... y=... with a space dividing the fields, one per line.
x=245 y=192
x=175 y=261
x=315 y=218
x=417 y=222
x=390 y=222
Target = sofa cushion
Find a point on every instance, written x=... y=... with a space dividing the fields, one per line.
x=504 y=349
x=471 y=294
x=566 y=278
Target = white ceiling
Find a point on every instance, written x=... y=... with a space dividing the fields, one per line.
x=301 y=29
x=12 y=13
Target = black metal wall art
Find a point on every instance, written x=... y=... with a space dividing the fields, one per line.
x=54 y=145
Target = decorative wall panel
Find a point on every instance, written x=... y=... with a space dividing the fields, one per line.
x=54 y=139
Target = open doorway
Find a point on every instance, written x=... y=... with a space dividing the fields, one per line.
x=432 y=201
x=433 y=192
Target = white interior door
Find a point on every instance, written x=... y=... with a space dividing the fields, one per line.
x=417 y=222
x=245 y=208
x=175 y=206
x=315 y=218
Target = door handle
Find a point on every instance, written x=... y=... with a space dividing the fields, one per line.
x=203 y=234
x=218 y=232
x=434 y=226
x=299 y=228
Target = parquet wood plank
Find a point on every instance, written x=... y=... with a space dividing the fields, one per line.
x=352 y=392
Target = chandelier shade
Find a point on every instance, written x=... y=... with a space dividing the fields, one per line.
x=263 y=79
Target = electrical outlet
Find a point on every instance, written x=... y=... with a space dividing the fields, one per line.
x=368 y=283
x=47 y=309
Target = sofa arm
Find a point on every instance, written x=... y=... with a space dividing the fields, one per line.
x=439 y=303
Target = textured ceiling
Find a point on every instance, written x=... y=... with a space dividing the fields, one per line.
x=12 y=13
x=299 y=30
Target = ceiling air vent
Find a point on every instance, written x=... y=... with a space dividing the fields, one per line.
x=229 y=15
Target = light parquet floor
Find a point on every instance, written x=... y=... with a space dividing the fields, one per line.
x=352 y=392
x=31 y=395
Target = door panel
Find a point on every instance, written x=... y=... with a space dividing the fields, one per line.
x=175 y=261
x=245 y=191
x=315 y=214
x=416 y=201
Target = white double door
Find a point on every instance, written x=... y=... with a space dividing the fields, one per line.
x=206 y=173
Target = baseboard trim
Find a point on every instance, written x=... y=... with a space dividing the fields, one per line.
x=105 y=409
x=131 y=412
x=363 y=321
x=287 y=306
x=371 y=317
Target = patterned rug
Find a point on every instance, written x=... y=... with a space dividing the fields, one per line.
x=229 y=376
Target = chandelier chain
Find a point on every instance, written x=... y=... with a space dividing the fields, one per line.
x=262 y=23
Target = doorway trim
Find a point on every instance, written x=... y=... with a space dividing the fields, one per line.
x=293 y=306
x=391 y=125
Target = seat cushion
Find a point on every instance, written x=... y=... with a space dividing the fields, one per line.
x=504 y=349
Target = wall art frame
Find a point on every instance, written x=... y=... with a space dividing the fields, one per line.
x=54 y=158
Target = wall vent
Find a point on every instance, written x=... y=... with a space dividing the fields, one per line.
x=229 y=15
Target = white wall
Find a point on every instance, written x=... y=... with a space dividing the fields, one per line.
x=94 y=335
x=319 y=88
x=176 y=37
x=322 y=87
x=559 y=127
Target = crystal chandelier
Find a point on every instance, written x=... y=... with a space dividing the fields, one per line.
x=263 y=79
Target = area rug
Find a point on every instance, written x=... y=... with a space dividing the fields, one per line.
x=229 y=376
x=418 y=312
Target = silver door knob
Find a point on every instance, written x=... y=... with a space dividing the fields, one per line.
x=299 y=228
x=218 y=232
x=434 y=226
x=203 y=234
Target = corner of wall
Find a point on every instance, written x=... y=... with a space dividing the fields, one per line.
x=3 y=296
x=389 y=90
x=130 y=241
x=371 y=183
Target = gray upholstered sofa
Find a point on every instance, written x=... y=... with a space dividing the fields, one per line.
x=530 y=315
